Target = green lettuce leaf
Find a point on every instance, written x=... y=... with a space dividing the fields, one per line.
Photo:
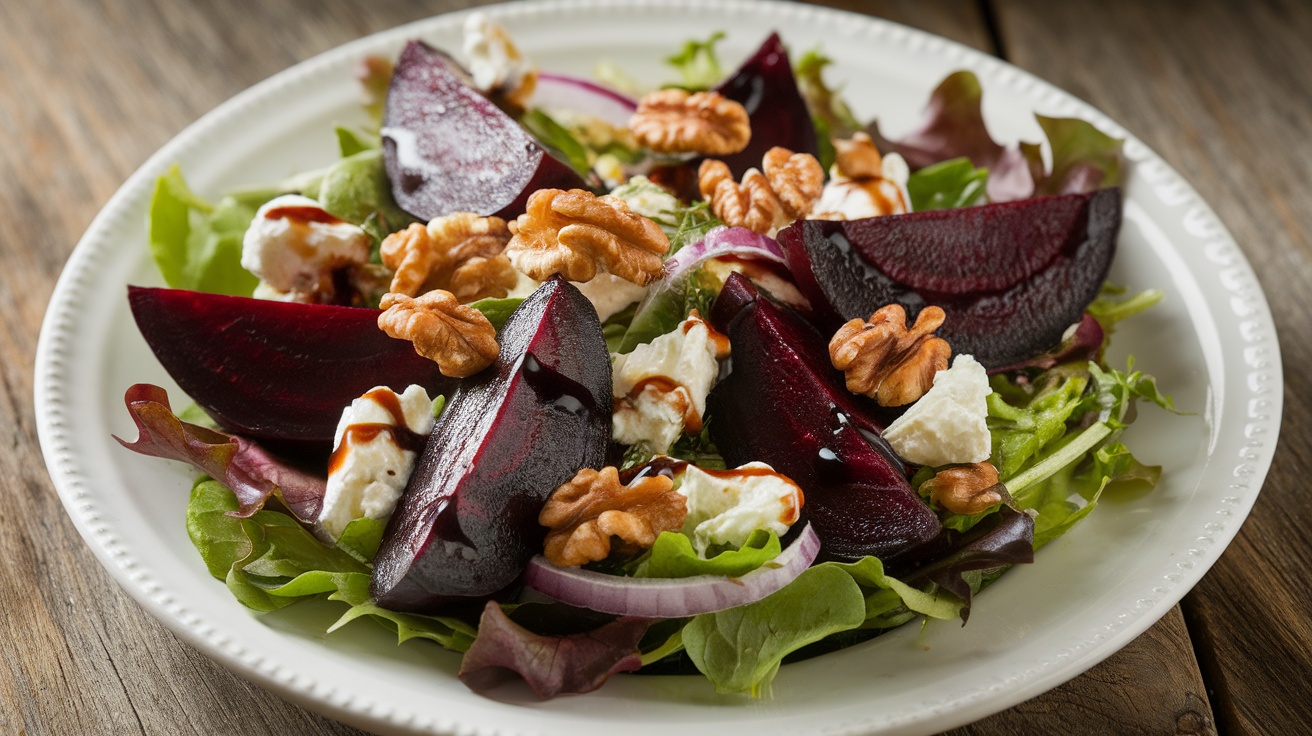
x=1083 y=157
x=667 y=304
x=270 y=561
x=558 y=140
x=497 y=311
x=196 y=244
x=672 y=556
x=947 y=185
x=697 y=64
x=351 y=141
x=357 y=188
x=739 y=649
x=829 y=112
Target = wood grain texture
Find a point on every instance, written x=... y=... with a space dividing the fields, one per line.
x=89 y=89
x=1221 y=90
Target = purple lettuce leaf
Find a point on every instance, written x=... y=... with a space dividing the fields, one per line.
x=1000 y=539
x=247 y=469
x=1083 y=158
x=952 y=127
x=550 y=665
x=1083 y=344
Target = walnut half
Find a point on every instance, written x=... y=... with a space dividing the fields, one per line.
x=885 y=360
x=578 y=235
x=965 y=489
x=459 y=253
x=458 y=338
x=588 y=512
x=788 y=189
x=674 y=121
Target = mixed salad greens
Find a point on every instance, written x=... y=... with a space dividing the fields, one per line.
x=1054 y=422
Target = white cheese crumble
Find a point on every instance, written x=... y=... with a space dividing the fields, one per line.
x=948 y=424
x=856 y=199
x=494 y=62
x=662 y=385
x=293 y=245
x=369 y=470
x=725 y=507
x=610 y=294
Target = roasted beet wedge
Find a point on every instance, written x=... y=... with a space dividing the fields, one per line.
x=448 y=149
x=275 y=371
x=468 y=521
x=783 y=404
x=1012 y=277
x=765 y=86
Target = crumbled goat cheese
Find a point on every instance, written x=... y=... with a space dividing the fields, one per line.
x=856 y=199
x=493 y=60
x=725 y=507
x=369 y=468
x=293 y=245
x=948 y=424
x=662 y=385
x=610 y=294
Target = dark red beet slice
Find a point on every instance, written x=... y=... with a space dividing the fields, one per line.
x=765 y=86
x=468 y=521
x=1012 y=277
x=275 y=371
x=783 y=404
x=448 y=149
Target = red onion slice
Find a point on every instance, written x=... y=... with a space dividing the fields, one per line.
x=671 y=597
x=723 y=241
x=561 y=92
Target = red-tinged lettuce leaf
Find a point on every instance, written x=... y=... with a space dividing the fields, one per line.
x=1000 y=539
x=550 y=665
x=1084 y=159
x=953 y=127
x=241 y=465
x=1081 y=345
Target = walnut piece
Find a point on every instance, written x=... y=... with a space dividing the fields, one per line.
x=857 y=157
x=763 y=202
x=459 y=253
x=585 y=514
x=885 y=360
x=674 y=121
x=458 y=338
x=578 y=235
x=861 y=185
x=965 y=489
x=796 y=178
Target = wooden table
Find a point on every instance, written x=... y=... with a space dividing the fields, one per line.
x=89 y=89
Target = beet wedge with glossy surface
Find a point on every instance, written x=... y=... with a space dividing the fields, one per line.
x=467 y=523
x=448 y=149
x=278 y=372
x=765 y=86
x=783 y=404
x=1012 y=277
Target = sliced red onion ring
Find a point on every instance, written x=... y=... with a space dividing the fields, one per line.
x=723 y=241
x=671 y=597
x=561 y=92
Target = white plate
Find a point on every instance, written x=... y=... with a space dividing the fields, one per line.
x=1212 y=345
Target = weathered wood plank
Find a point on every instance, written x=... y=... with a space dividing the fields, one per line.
x=1221 y=90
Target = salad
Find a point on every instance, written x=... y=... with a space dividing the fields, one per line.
x=575 y=378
